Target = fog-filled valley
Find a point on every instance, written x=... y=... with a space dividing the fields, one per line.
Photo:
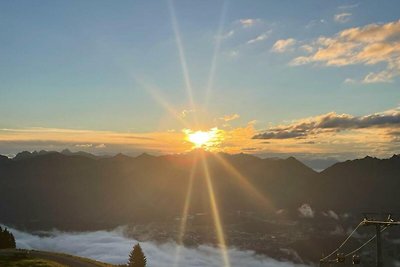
x=114 y=247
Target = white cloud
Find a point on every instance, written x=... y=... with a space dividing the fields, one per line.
x=368 y=45
x=342 y=17
x=101 y=146
x=331 y=214
x=184 y=113
x=228 y=34
x=283 y=45
x=259 y=38
x=314 y=23
x=379 y=77
x=114 y=247
x=307 y=48
x=351 y=6
x=84 y=145
x=306 y=211
x=233 y=53
x=247 y=23
x=230 y=117
x=350 y=81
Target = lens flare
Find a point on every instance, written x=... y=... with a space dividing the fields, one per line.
x=216 y=214
x=185 y=213
x=204 y=139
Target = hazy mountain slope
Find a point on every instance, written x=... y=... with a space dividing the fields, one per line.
x=362 y=185
x=75 y=191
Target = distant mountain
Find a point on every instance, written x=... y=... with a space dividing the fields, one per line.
x=26 y=154
x=75 y=191
x=3 y=159
x=368 y=184
x=319 y=164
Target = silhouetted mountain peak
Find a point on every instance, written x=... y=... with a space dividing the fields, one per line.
x=27 y=155
x=395 y=157
x=4 y=158
x=121 y=156
x=66 y=152
x=145 y=156
x=23 y=155
x=295 y=162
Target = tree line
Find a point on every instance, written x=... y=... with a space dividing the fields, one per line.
x=7 y=239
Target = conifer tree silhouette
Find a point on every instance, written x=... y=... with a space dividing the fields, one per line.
x=137 y=257
x=7 y=239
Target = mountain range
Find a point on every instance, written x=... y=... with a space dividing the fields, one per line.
x=81 y=191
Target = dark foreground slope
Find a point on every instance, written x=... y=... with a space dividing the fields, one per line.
x=80 y=192
x=34 y=258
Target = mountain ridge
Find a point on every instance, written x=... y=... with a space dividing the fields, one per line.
x=67 y=191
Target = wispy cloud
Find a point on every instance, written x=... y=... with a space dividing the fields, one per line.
x=315 y=22
x=368 y=45
x=258 y=38
x=87 y=139
x=351 y=6
x=230 y=117
x=184 y=113
x=228 y=34
x=283 y=45
x=342 y=17
x=234 y=53
x=242 y=26
x=247 y=23
x=84 y=145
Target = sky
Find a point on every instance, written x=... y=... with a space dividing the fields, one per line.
x=273 y=78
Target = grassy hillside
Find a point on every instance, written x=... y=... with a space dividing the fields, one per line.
x=22 y=258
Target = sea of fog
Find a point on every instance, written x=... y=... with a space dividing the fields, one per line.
x=114 y=247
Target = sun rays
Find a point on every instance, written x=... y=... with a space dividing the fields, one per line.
x=199 y=139
x=215 y=212
x=247 y=185
x=181 y=51
x=213 y=67
x=185 y=212
x=205 y=140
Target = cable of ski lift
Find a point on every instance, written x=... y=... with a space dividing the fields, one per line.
x=366 y=243
x=343 y=243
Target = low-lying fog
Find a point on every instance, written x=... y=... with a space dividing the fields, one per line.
x=114 y=247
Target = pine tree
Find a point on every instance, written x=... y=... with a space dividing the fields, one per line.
x=7 y=239
x=137 y=257
x=2 y=239
x=12 y=242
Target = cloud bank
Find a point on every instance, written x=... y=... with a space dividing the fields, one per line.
x=114 y=247
x=332 y=122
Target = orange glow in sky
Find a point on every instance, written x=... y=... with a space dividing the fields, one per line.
x=204 y=139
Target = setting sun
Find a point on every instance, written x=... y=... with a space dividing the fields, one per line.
x=203 y=139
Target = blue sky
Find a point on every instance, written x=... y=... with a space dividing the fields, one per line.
x=107 y=66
